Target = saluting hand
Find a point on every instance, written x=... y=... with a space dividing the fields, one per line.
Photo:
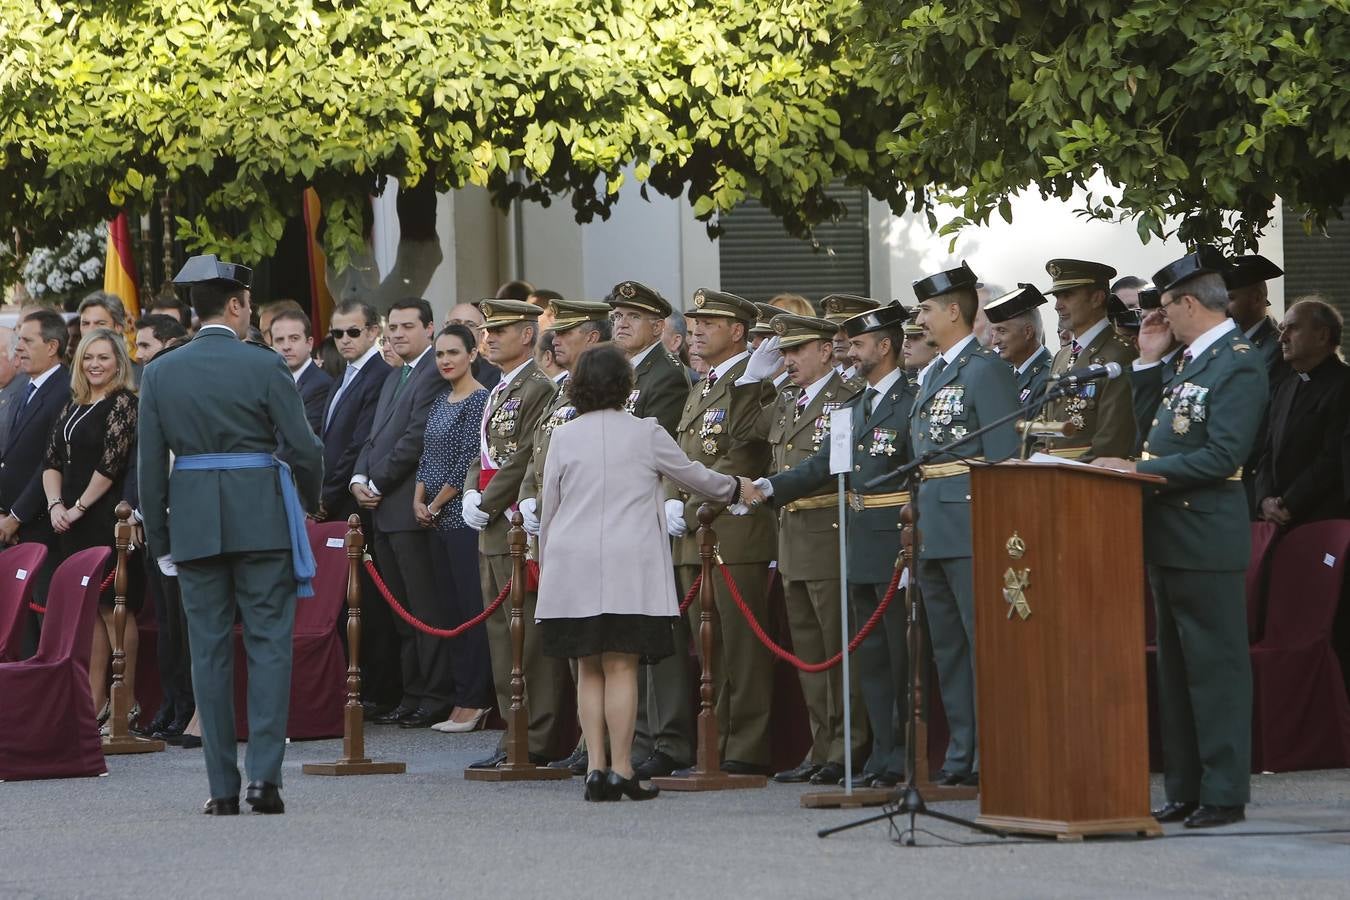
x=1155 y=337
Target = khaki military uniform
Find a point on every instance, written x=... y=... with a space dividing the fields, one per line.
x=1103 y=411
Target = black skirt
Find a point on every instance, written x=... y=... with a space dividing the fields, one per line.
x=651 y=637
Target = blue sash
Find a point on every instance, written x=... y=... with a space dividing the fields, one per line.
x=302 y=556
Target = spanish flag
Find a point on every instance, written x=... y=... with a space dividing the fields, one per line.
x=119 y=272
x=320 y=299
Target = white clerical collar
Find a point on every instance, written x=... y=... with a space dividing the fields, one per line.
x=887 y=381
x=296 y=373
x=727 y=365
x=954 y=350
x=1026 y=363
x=643 y=354
x=1087 y=337
x=1203 y=342
x=815 y=387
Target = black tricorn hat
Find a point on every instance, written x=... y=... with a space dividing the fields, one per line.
x=1204 y=261
x=207 y=269
x=1244 y=271
x=1012 y=304
x=892 y=315
x=945 y=282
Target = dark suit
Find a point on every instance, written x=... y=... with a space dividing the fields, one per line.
x=21 y=490
x=1300 y=460
x=389 y=459
x=485 y=373
x=10 y=395
x=1265 y=340
x=345 y=433
x=314 y=386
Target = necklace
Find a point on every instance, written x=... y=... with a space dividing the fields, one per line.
x=68 y=430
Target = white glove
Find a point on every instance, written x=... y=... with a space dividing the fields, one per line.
x=474 y=517
x=531 y=523
x=739 y=509
x=764 y=486
x=675 y=526
x=765 y=362
x=166 y=566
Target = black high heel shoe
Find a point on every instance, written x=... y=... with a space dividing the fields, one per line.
x=597 y=791
x=628 y=787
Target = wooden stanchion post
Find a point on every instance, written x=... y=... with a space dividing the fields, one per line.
x=119 y=738
x=354 y=760
x=707 y=774
x=517 y=766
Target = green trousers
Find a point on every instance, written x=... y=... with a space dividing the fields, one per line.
x=261 y=586
x=948 y=602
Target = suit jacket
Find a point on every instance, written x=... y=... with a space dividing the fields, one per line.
x=392 y=450
x=1032 y=380
x=1102 y=410
x=10 y=394
x=1205 y=420
x=346 y=433
x=21 y=490
x=315 y=386
x=1300 y=460
x=186 y=408
x=602 y=524
x=512 y=414
x=661 y=386
x=485 y=373
x=974 y=390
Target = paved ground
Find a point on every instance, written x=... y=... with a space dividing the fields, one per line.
x=429 y=833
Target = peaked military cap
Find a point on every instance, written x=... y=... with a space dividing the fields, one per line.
x=892 y=315
x=840 y=307
x=497 y=313
x=1071 y=273
x=710 y=303
x=945 y=282
x=206 y=269
x=568 y=314
x=1012 y=304
x=793 y=331
x=1204 y=261
x=639 y=296
x=1150 y=297
x=1244 y=271
x=912 y=330
x=764 y=321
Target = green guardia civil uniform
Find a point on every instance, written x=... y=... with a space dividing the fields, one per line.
x=955 y=399
x=1197 y=545
x=227 y=530
x=1033 y=375
x=880 y=444
x=709 y=425
x=514 y=408
x=1032 y=379
x=796 y=425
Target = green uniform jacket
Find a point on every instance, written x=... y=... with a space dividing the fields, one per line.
x=660 y=390
x=1205 y=420
x=221 y=395
x=808 y=539
x=558 y=411
x=880 y=444
x=1102 y=410
x=974 y=390
x=1031 y=381
x=717 y=430
x=511 y=417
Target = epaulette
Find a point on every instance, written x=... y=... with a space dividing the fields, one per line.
x=538 y=375
x=1124 y=342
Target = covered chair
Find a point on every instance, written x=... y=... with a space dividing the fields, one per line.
x=1265 y=535
x=1300 y=712
x=48 y=727
x=19 y=566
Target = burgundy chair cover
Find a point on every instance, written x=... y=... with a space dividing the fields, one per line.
x=18 y=570
x=1300 y=713
x=1264 y=538
x=319 y=664
x=48 y=726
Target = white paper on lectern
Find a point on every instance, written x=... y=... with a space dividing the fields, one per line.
x=841 y=441
x=1057 y=460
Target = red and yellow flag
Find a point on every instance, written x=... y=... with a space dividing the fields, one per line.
x=119 y=271
x=320 y=300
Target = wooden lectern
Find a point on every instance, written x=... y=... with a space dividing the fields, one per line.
x=1059 y=649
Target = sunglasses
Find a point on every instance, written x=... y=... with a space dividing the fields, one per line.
x=353 y=333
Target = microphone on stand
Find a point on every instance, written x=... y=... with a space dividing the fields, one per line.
x=1094 y=372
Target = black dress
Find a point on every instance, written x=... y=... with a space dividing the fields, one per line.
x=97 y=438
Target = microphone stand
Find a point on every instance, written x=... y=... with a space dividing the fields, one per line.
x=908 y=800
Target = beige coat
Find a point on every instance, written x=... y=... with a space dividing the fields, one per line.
x=603 y=546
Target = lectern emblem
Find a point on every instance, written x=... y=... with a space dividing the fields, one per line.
x=1015 y=585
x=1016 y=547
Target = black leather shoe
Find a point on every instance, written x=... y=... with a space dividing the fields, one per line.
x=860 y=779
x=490 y=762
x=1174 y=811
x=1207 y=816
x=971 y=780
x=576 y=763
x=190 y=742
x=887 y=779
x=830 y=773
x=264 y=797
x=597 y=787
x=395 y=715
x=658 y=765
x=169 y=732
x=423 y=718
x=222 y=806
x=539 y=759
x=949 y=779
x=618 y=786
x=800 y=775
x=372 y=710
x=736 y=767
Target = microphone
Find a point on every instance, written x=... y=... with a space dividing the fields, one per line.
x=1095 y=372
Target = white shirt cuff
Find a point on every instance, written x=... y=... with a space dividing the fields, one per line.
x=1139 y=366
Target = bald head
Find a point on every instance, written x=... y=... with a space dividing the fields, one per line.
x=465 y=314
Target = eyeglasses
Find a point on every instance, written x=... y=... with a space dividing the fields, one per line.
x=353 y=333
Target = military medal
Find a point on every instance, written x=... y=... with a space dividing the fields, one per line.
x=711 y=427
x=1181 y=424
x=958 y=432
x=631 y=403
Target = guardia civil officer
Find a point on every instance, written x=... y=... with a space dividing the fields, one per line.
x=214 y=417
x=1017 y=335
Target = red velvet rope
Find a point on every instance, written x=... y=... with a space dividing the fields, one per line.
x=787 y=657
x=693 y=592
x=423 y=626
x=107 y=583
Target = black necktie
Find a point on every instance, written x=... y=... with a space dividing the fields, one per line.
x=869 y=397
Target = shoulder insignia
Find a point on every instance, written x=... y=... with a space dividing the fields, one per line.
x=1241 y=348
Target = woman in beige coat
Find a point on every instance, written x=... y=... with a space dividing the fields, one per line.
x=607 y=590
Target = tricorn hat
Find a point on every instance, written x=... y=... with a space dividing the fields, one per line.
x=1204 y=261
x=207 y=269
x=1244 y=271
x=892 y=315
x=945 y=282
x=1014 y=303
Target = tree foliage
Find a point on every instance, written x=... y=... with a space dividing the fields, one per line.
x=240 y=104
x=1200 y=112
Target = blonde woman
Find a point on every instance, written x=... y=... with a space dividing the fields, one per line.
x=89 y=454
